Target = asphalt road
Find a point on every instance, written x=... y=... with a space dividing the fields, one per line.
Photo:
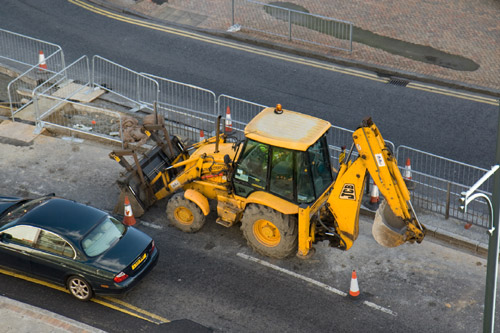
x=448 y=126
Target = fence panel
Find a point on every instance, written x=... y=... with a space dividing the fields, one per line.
x=121 y=81
x=54 y=109
x=187 y=109
x=241 y=112
x=21 y=53
x=293 y=25
x=438 y=183
x=339 y=137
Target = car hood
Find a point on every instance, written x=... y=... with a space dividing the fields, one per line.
x=124 y=252
x=7 y=202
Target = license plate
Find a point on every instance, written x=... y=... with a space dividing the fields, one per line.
x=138 y=261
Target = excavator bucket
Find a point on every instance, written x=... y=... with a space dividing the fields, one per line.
x=388 y=229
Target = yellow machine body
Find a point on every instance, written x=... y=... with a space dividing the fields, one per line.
x=291 y=221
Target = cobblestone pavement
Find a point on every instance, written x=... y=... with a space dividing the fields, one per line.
x=468 y=28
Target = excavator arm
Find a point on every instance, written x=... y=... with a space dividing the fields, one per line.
x=395 y=220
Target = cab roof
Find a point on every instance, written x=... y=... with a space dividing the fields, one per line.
x=288 y=129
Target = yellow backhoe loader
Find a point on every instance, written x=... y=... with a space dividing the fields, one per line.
x=279 y=184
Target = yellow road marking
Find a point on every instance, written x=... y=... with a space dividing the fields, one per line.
x=270 y=54
x=30 y=279
x=442 y=91
x=229 y=44
x=159 y=319
x=130 y=306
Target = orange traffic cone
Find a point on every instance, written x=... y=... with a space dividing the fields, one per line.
x=128 y=218
x=374 y=197
x=229 y=123
x=41 y=61
x=354 y=291
x=202 y=136
x=467 y=226
x=407 y=174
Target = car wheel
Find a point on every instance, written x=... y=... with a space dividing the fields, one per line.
x=270 y=232
x=79 y=288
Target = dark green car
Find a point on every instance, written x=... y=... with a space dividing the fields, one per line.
x=71 y=244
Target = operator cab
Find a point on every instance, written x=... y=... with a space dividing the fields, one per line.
x=286 y=154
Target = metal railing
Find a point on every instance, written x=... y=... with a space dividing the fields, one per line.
x=22 y=54
x=121 y=81
x=240 y=110
x=292 y=25
x=188 y=109
x=438 y=183
x=54 y=108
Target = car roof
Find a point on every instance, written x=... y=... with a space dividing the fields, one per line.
x=287 y=129
x=67 y=218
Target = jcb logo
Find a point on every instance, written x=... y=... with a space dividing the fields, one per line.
x=348 y=192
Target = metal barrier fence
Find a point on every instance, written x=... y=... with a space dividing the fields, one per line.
x=53 y=107
x=438 y=184
x=188 y=109
x=241 y=112
x=130 y=85
x=339 y=137
x=292 y=24
x=21 y=54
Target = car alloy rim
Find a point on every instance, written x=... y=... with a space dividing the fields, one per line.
x=184 y=215
x=79 y=288
x=266 y=233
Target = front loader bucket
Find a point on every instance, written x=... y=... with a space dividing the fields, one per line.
x=136 y=205
x=388 y=229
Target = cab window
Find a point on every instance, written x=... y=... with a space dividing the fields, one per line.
x=281 y=179
x=321 y=170
x=305 y=188
x=251 y=173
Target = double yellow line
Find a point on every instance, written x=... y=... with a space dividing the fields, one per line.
x=274 y=55
x=109 y=302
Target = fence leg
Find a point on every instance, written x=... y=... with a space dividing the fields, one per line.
x=448 y=198
x=232 y=13
x=289 y=25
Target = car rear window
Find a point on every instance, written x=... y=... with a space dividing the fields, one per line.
x=102 y=237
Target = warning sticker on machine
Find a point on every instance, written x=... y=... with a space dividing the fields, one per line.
x=175 y=184
x=380 y=160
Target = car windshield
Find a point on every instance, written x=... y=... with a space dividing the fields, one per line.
x=103 y=237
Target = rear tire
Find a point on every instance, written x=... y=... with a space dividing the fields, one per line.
x=184 y=214
x=270 y=232
x=79 y=288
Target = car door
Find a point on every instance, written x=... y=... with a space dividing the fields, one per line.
x=52 y=257
x=16 y=246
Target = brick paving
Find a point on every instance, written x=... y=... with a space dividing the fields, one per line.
x=469 y=28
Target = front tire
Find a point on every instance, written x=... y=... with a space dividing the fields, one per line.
x=270 y=232
x=184 y=214
x=79 y=288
